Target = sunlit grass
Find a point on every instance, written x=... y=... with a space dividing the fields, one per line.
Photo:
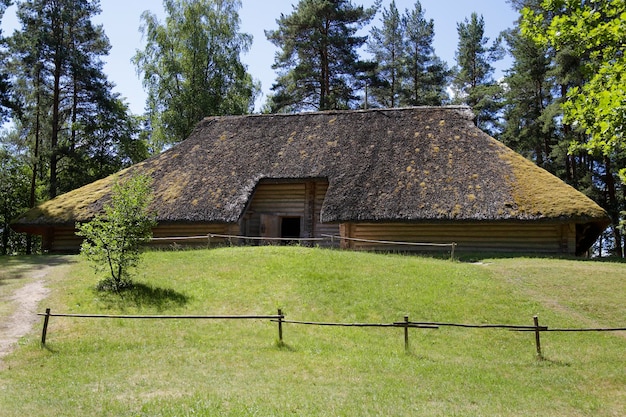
x=207 y=368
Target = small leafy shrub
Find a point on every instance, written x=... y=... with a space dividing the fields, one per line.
x=113 y=239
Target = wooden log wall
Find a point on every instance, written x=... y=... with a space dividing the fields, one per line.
x=61 y=240
x=486 y=237
x=282 y=199
x=568 y=238
x=65 y=240
x=287 y=199
x=168 y=236
x=469 y=237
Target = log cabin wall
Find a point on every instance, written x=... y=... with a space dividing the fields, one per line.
x=168 y=235
x=65 y=240
x=469 y=237
x=568 y=238
x=491 y=237
x=273 y=201
x=61 y=240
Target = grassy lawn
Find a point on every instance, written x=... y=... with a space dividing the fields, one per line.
x=114 y=367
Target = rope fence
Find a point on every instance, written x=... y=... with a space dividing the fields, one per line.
x=270 y=239
x=279 y=318
x=324 y=238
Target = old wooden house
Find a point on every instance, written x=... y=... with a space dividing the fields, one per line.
x=422 y=174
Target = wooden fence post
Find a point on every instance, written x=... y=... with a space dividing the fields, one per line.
x=280 y=325
x=44 y=331
x=406 y=333
x=537 y=337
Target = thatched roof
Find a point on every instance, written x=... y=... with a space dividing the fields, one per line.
x=410 y=165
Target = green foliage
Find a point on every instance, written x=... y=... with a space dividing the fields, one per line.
x=408 y=72
x=6 y=102
x=192 y=68
x=114 y=144
x=472 y=81
x=425 y=75
x=113 y=239
x=14 y=185
x=386 y=44
x=595 y=30
x=68 y=113
x=587 y=42
x=530 y=127
x=318 y=62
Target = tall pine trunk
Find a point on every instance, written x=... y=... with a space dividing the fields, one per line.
x=32 y=198
x=613 y=204
x=58 y=32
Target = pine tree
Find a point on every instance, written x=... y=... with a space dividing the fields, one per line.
x=386 y=44
x=528 y=127
x=57 y=69
x=317 y=60
x=109 y=142
x=425 y=75
x=545 y=75
x=473 y=79
x=5 y=100
x=408 y=72
x=192 y=68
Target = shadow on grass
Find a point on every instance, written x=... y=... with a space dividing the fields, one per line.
x=141 y=295
x=478 y=257
x=282 y=346
x=543 y=361
x=48 y=348
x=14 y=268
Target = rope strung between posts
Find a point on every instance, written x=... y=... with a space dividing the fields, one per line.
x=391 y=242
x=324 y=238
x=280 y=319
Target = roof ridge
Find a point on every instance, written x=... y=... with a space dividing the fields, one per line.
x=462 y=110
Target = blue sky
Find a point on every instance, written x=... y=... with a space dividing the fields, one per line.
x=121 y=20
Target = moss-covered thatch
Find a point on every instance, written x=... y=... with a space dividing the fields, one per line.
x=407 y=165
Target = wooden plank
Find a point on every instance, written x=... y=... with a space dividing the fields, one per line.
x=270 y=226
x=545 y=238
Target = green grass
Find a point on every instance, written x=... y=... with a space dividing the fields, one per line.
x=117 y=367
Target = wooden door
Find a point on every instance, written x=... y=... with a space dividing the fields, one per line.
x=270 y=225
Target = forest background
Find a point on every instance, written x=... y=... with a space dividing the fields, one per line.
x=557 y=97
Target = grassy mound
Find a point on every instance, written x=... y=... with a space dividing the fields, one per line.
x=191 y=367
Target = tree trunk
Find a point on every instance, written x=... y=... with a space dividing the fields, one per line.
x=32 y=198
x=325 y=69
x=614 y=211
x=59 y=36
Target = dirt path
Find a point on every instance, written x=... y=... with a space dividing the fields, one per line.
x=26 y=299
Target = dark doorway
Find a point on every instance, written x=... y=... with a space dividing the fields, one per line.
x=290 y=227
